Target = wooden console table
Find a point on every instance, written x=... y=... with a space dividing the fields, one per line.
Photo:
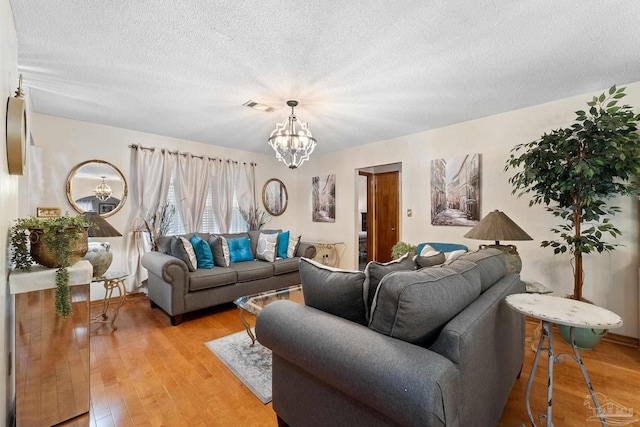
x=52 y=353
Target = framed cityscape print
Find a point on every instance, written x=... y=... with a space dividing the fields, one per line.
x=324 y=198
x=455 y=190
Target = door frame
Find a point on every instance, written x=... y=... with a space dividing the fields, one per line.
x=369 y=172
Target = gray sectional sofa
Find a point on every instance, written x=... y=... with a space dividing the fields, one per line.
x=439 y=348
x=176 y=290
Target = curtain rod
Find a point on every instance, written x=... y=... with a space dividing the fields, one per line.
x=162 y=150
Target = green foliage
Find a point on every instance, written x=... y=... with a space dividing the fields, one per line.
x=576 y=170
x=402 y=248
x=55 y=235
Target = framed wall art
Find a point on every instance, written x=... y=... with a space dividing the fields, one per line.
x=455 y=190
x=324 y=198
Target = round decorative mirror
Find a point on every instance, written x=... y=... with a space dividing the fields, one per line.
x=96 y=186
x=275 y=197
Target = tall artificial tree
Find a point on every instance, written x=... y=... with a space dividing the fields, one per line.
x=576 y=171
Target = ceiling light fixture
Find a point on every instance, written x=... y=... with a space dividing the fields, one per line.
x=292 y=146
x=103 y=191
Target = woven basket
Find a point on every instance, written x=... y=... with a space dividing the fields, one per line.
x=43 y=255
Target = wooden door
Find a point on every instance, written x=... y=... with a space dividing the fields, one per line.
x=387 y=210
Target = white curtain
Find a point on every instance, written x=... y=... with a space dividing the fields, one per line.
x=191 y=184
x=244 y=178
x=222 y=189
x=150 y=178
x=194 y=178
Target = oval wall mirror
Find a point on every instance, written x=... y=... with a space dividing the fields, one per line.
x=96 y=186
x=275 y=197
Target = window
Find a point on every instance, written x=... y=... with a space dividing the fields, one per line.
x=209 y=223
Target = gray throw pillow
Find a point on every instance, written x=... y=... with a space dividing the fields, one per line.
x=220 y=251
x=429 y=261
x=266 y=247
x=335 y=291
x=183 y=249
x=375 y=271
x=413 y=306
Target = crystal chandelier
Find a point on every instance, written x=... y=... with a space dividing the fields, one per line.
x=103 y=191
x=292 y=146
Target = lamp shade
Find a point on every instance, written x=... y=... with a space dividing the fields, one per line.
x=101 y=227
x=497 y=226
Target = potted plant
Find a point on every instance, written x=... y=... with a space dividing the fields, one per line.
x=576 y=171
x=53 y=242
x=401 y=248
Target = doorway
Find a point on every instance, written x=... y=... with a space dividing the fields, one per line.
x=378 y=195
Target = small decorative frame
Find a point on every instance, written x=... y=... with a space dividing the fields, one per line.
x=106 y=207
x=48 y=212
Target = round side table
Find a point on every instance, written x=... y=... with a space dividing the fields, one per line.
x=562 y=311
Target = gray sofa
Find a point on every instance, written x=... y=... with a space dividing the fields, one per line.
x=331 y=371
x=176 y=290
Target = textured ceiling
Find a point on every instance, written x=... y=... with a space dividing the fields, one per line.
x=361 y=71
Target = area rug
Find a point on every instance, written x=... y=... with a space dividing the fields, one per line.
x=252 y=365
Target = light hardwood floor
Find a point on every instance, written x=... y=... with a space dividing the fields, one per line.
x=149 y=373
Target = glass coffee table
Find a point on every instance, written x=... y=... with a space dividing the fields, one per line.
x=252 y=304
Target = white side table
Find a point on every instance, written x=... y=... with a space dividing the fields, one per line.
x=562 y=311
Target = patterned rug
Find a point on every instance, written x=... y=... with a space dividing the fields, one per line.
x=252 y=365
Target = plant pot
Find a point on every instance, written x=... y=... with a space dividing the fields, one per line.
x=585 y=338
x=43 y=255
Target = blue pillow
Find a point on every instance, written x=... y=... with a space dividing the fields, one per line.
x=239 y=249
x=203 y=252
x=283 y=244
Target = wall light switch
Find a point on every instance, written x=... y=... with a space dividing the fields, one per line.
x=409 y=213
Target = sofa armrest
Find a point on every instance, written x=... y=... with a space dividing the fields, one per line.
x=168 y=267
x=306 y=250
x=408 y=384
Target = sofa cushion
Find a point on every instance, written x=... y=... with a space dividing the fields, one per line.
x=267 y=247
x=469 y=270
x=429 y=261
x=285 y=265
x=294 y=242
x=253 y=270
x=239 y=249
x=451 y=252
x=335 y=291
x=491 y=264
x=414 y=305
x=254 y=235
x=375 y=271
x=204 y=256
x=181 y=248
x=212 y=278
x=220 y=251
x=283 y=244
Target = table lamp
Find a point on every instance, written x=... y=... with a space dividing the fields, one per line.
x=497 y=226
x=99 y=255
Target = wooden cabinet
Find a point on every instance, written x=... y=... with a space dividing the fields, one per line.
x=52 y=353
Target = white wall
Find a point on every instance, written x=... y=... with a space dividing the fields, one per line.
x=611 y=279
x=63 y=143
x=8 y=205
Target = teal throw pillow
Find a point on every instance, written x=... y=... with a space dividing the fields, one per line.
x=240 y=249
x=204 y=256
x=283 y=244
